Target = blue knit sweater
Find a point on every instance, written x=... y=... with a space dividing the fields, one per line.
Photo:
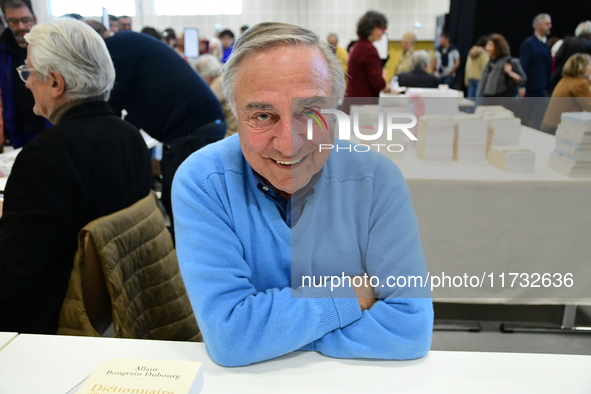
x=243 y=266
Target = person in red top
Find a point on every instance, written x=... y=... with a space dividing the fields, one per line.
x=365 y=66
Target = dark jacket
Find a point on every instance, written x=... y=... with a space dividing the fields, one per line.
x=536 y=61
x=161 y=93
x=418 y=78
x=569 y=47
x=89 y=165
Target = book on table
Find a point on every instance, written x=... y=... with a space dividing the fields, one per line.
x=511 y=158
x=143 y=376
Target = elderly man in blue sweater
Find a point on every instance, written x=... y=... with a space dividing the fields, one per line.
x=263 y=216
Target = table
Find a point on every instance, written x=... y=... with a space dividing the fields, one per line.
x=478 y=219
x=6 y=337
x=55 y=364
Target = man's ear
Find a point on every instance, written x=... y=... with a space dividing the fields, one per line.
x=58 y=84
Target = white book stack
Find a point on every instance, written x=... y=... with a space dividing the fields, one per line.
x=572 y=155
x=511 y=158
x=503 y=129
x=482 y=109
x=436 y=137
x=470 y=138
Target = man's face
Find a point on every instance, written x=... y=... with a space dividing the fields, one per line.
x=20 y=21
x=227 y=41
x=114 y=26
x=41 y=91
x=272 y=126
x=544 y=26
x=332 y=41
x=406 y=43
x=124 y=23
x=443 y=41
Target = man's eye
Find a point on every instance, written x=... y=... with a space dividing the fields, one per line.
x=263 y=117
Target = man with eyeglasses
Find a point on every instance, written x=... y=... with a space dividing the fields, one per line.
x=21 y=125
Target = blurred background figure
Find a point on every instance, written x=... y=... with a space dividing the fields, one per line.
x=124 y=22
x=21 y=125
x=209 y=68
x=447 y=60
x=405 y=63
x=113 y=24
x=366 y=78
x=419 y=77
x=572 y=93
x=227 y=39
x=203 y=46
x=580 y=43
x=243 y=29
x=475 y=62
x=169 y=37
x=150 y=31
x=340 y=52
x=503 y=74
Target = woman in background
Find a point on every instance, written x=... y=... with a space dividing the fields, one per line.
x=365 y=66
x=477 y=59
x=503 y=74
x=572 y=93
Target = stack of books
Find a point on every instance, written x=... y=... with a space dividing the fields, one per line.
x=503 y=128
x=511 y=158
x=483 y=109
x=470 y=138
x=436 y=137
x=572 y=155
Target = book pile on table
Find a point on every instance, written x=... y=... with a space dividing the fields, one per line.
x=503 y=128
x=572 y=155
x=511 y=158
x=470 y=138
x=436 y=137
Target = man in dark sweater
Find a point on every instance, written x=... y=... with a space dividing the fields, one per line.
x=89 y=165
x=163 y=95
x=21 y=125
x=419 y=77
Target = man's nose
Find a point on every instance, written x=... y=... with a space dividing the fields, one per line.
x=289 y=139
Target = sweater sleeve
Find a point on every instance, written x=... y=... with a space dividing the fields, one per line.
x=399 y=325
x=240 y=324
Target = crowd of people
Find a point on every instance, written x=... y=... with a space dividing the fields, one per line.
x=254 y=213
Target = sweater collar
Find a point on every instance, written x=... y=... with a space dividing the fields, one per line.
x=58 y=115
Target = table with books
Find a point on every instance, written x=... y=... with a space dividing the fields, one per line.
x=507 y=228
x=57 y=364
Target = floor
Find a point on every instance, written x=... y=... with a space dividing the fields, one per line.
x=491 y=339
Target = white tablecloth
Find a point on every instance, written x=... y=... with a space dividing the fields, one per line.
x=477 y=219
x=55 y=364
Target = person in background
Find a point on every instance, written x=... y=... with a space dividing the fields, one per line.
x=21 y=124
x=152 y=32
x=502 y=75
x=243 y=29
x=176 y=107
x=365 y=78
x=447 y=60
x=340 y=52
x=535 y=57
x=477 y=59
x=405 y=64
x=580 y=43
x=88 y=165
x=113 y=24
x=227 y=39
x=203 y=46
x=124 y=22
x=258 y=209
x=209 y=68
x=419 y=77
x=572 y=93
x=169 y=37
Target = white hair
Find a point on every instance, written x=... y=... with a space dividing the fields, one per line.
x=208 y=66
x=538 y=18
x=420 y=58
x=583 y=29
x=77 y=52
x=264 y=36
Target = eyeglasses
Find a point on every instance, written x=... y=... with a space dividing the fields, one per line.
x=24 y=72
x=15 y=21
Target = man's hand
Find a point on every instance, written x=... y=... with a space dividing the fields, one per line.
x=364 y=293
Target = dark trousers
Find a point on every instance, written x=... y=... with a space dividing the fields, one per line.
x=175 y=152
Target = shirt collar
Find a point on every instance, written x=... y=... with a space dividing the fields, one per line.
x=541 y=38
